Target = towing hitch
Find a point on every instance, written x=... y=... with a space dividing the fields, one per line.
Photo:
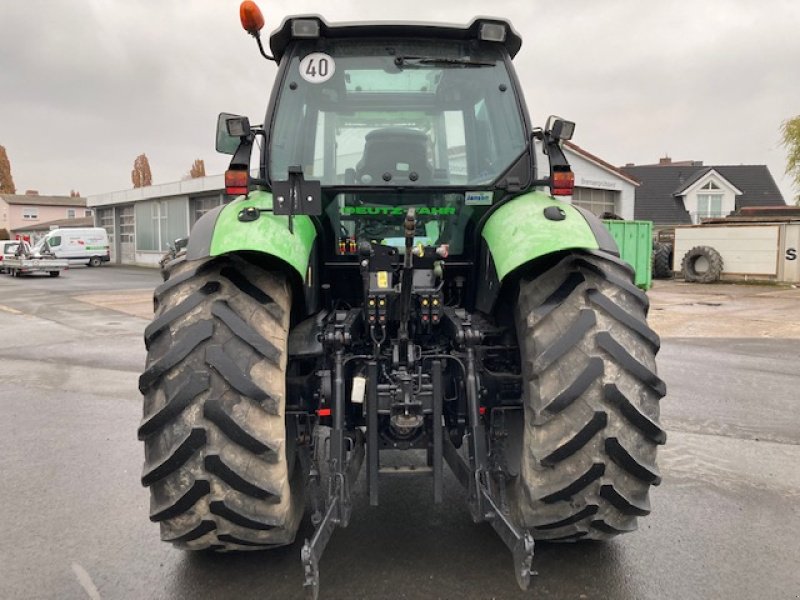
x=337 y=511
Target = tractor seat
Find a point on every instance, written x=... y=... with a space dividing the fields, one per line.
x=400 y=153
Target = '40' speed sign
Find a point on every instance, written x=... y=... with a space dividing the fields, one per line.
x=317 y=67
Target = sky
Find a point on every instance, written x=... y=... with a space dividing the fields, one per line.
x=87 y=85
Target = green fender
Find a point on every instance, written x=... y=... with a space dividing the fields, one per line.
x=221 y=232
x=519 y=232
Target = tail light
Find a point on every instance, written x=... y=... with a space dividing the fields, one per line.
x=562 y=183
x=236 y=182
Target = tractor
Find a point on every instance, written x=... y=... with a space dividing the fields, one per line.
x=398 y=273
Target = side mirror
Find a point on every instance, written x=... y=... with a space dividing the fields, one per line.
x=559 y=129
x=230 y=131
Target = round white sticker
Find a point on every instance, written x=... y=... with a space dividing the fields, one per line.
x=317 y=67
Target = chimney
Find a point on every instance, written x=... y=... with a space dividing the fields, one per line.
x=664 y=161
x=629 y=165
x=31 y=192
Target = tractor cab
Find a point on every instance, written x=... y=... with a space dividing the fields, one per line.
x=387 y=122
x=371 y=120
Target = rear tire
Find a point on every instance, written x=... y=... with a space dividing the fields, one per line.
x=95 y=261
x=591 y=401
x=662 y=261
x=218 y=461
x=55 y=273
x=702 y=264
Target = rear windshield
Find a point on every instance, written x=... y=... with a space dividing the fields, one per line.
x=396 y=113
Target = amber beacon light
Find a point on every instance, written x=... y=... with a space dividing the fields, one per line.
x=251 y=17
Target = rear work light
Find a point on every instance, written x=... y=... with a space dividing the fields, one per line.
x=562 y=183
x=492 y=32
x=236 y=182
x=305 y=28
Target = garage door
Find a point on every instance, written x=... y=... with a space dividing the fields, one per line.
x=127 y=235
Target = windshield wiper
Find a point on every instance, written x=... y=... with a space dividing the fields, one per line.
x=421 y=61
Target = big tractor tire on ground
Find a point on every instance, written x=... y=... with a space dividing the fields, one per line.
x=702 y=264
x=218 y=461
x=662 y=260
x=591 y=397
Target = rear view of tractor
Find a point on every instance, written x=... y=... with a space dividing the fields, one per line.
x=397 y=274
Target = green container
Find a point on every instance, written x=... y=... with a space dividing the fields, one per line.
x=635 y=241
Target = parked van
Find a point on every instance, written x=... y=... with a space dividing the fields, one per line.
x=87 y=244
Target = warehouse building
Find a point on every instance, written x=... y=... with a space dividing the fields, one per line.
x=143 y=222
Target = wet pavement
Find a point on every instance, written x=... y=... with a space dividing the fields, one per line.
x=725 y=522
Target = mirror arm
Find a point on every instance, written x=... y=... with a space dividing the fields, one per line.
x=551 y=146
x=241 y=158
x=554 y=151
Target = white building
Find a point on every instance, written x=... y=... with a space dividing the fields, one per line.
x=142 y=222
x=599 y=186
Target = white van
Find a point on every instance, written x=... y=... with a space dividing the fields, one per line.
x=85 y=244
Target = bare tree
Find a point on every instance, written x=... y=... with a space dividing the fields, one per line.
x=141 y=176
x=6 y=181
x=198 y=169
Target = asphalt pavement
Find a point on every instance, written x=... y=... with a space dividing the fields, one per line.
x=725 y=521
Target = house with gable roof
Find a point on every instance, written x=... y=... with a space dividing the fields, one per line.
x=685 y=192
x=19 y=213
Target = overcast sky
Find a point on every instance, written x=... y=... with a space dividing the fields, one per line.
x=86 y=85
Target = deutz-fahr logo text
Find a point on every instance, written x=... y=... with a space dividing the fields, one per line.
x=397 y=210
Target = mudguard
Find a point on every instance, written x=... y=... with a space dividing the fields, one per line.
x=221 y=232
x=535 y=224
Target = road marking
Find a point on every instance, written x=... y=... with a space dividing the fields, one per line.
x=86 y=581
x=8 y=309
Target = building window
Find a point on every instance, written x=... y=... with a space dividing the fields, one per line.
x=710 y=186
x=598 y=202
x=159 y=223
x=87 y=212
x=70 y=213
x=30 y=213
x=708 y=206
x=201 y=206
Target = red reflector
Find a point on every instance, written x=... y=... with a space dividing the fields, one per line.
x=236 y=182
x=482 y=410
x=324 y=412
x=562 y=183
